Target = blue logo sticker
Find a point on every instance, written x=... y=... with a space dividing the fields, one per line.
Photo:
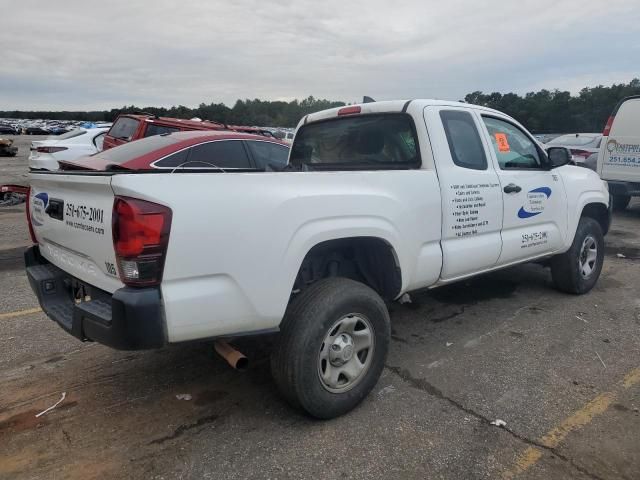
x=44 y=197
x=545 y=190
x=522 y=213
x=40 y=203
x=536 y=200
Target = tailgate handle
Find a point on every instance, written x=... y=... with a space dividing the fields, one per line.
x=55 y=209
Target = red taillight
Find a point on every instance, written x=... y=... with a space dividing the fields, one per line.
x=31 y=232
x=50 y=149
x=349 y=110
x=140 y=238
x=581 y=153
x=607 y=127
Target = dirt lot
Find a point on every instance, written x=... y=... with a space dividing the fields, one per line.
x=563 y=372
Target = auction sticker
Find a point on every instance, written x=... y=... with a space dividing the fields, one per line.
x=503 y=143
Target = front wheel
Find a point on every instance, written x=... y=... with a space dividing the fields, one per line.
x=577 y=270
x=332 y=347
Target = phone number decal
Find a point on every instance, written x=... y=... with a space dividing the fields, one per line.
x=82 y=212
x=534 y=239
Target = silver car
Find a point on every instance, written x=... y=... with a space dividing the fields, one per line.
x=582 y=145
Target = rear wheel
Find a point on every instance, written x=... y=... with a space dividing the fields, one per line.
x=333 y=344
x=577 y=270
x=620 y=202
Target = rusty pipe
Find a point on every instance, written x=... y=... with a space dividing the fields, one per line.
x=233 y=357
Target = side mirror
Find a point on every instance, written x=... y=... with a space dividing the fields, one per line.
x=558 y=156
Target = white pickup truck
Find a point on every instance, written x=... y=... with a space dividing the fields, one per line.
x=378 y=199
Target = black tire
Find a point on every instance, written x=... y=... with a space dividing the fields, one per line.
x=296 y=358
x=620 y=202
x=566 y=268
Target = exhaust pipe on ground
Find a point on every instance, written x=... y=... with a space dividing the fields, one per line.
x=233 y=357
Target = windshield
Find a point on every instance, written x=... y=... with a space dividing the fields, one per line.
x=124 y=128
x=131 y=150
x=574 y=140
x=360 y=142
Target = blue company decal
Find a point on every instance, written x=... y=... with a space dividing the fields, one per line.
x=536 y=199
x=40 y=202
x=44 y=197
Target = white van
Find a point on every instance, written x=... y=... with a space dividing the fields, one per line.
x=619 y=157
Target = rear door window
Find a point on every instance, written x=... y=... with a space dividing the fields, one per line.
x=464 y=140
x=124 y=128
x=153 y=129
x=366 y=142
x=268 y=153
x=229 y=154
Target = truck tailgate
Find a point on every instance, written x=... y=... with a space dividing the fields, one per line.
x=71 y=218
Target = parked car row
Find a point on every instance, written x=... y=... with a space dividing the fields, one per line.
x=45 y=154
x=48 y=154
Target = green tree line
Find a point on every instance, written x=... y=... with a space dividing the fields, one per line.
x=558 y=111
x=545 y=111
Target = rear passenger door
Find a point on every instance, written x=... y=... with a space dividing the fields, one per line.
x=535 y=206
x=470 y=190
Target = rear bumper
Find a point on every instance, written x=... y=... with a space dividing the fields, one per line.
x=130 y=319
x=624 y=188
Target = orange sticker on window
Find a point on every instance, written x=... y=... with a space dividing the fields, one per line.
x=503 y=144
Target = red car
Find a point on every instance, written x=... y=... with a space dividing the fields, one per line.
x=205 y=150
x=129 y=127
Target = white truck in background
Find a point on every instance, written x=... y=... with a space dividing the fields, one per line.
x=378 y=199
x=619 y=156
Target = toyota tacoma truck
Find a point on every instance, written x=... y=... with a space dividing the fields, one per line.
x=377 y=200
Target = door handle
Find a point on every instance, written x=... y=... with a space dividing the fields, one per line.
x=512 y=188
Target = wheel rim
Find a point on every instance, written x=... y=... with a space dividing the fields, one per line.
x=588 y=256
x=346 y=353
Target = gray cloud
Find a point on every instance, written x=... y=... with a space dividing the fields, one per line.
x=85 y=55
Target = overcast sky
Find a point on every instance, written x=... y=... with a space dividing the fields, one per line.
x=76 y=55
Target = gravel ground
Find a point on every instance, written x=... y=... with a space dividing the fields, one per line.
x=562 y=371
x=14 y=169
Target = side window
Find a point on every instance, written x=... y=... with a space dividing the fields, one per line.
x=124 y=128
x=464 y=140
x=175 y=160
x=265 y=153
x=514 y=149
x=153 y=129
x=221 y=153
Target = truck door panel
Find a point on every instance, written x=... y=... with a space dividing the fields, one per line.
x=470 y=190
x=534 y=200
